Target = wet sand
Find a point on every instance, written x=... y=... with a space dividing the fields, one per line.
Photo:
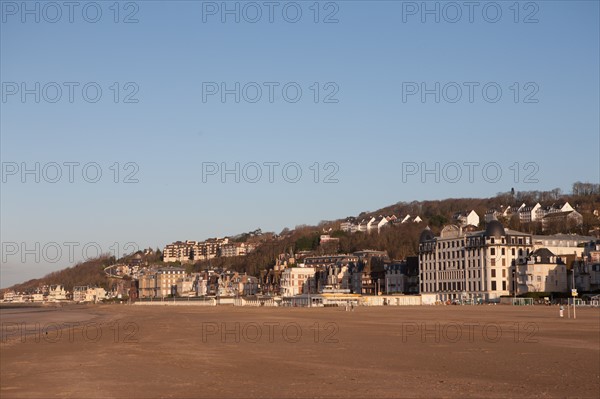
x=225 y=352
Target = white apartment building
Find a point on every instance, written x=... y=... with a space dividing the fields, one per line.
x=562 y=244
x=185 y=286
x=394 y=280
x=470 y=265
x=167 y=279
x=297 y=280
x=349 y=225
x=335 y=276
x=88 y=294
x=587 y=272
x=467 y=218
x=541 y=271
x=492 y=214
x=562 y=220
x=375 y=224
x=405 y=219
x=79 y=293
x=233 y=249
x=179 y=251
x=57 y=293
x=529 y=214
x=37 y=297
x=187 y=251
x=9 y=296
x=161 y=283
x=245 y=285
x=363 y=226
x=352 y=225
x=147 y=285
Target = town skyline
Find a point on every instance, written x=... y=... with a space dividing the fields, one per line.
x=462 y=264
x=529 y=215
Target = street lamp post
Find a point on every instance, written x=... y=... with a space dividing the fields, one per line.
x=572 y=292
x=386 y=284
x=309 y=286
x=514 y=275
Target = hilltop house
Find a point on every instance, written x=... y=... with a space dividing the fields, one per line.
x=377 y=223
x=561 y=220
x=467 y=218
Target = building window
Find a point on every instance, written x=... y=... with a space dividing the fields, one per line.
x=493 y=286
x=492 y=251
x=493 y=272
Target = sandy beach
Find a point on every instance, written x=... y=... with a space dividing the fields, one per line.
x=119 y=351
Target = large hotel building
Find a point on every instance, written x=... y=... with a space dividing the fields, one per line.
x=466 y=264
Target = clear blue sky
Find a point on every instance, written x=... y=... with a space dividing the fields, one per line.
x=370 y=56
